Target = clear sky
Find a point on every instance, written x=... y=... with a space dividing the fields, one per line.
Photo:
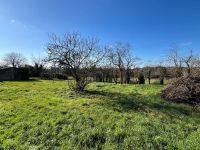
x=151 y=26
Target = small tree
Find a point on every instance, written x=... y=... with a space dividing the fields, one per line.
x=14 y=59
x=116 y=56
x=190 y=62
x=121 y=58
x=148 y=73
x=130 y=65
x=176 y=60
x=76 y=53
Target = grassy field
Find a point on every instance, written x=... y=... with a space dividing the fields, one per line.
x=46 y=115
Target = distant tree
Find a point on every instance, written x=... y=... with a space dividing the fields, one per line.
x=176 y=60
x=121 y=58
x=38 y=66
x=130 y=65
x=197 y=61
x=1 y=64
x=38 y=60
x=14 y=59
x=112 y=68
x=196 y=70
x=190 y=61
x=76 y=53
x=116 y=55
x=38 y=70
x=163 y=72
x=148 y=72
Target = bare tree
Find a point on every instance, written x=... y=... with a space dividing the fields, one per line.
x=149 y=70
x=14 y=59
x=197 y=62
x=120 y=57
x=76 y=53
x=2 y=65
x=116 y=57
x=195 y=65
x=162 y=73
x=38 y=66
x=190 y=62
x=37 y=60
x=176 y=60
x=129 y=64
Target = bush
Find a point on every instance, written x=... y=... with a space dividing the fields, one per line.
x=161 y=81
x=141 y=79
x=184 y=90
x=61 y=76
x=46 y=76
x=22 y=74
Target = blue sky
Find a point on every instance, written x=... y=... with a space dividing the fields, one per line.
x=150 y=26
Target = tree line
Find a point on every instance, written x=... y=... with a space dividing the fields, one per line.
x=86 y=60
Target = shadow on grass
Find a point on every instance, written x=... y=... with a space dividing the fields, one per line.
x=29 y=80
x=137 y=102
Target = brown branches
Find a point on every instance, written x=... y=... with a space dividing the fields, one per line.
x=76 y=53
x=14 y=59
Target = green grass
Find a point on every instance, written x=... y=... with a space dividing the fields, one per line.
x=46 y=115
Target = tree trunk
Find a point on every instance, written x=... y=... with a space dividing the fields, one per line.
x=128 y=77
x=149 y=76
x=189 y=69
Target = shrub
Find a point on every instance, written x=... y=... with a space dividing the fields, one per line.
x=141 y=79
x=22 y=74
x=183 y=89
x=161 y=81
x=61 y=76
x=46 y=76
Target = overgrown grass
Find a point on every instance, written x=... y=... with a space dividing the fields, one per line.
x=46 y=115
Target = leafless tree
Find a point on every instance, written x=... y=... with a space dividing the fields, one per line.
x=1 y=64
x=149 y=70
x=129 y=64
x=38 y=65
x=120 y=56
x=116 y=55
x=14 y=59
x=196 y=65
x=37 y=60
x=109 y=64
x=197 y=62
x=190 y=61
x=176 y=60
x=76 y=53
x=162 y=72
